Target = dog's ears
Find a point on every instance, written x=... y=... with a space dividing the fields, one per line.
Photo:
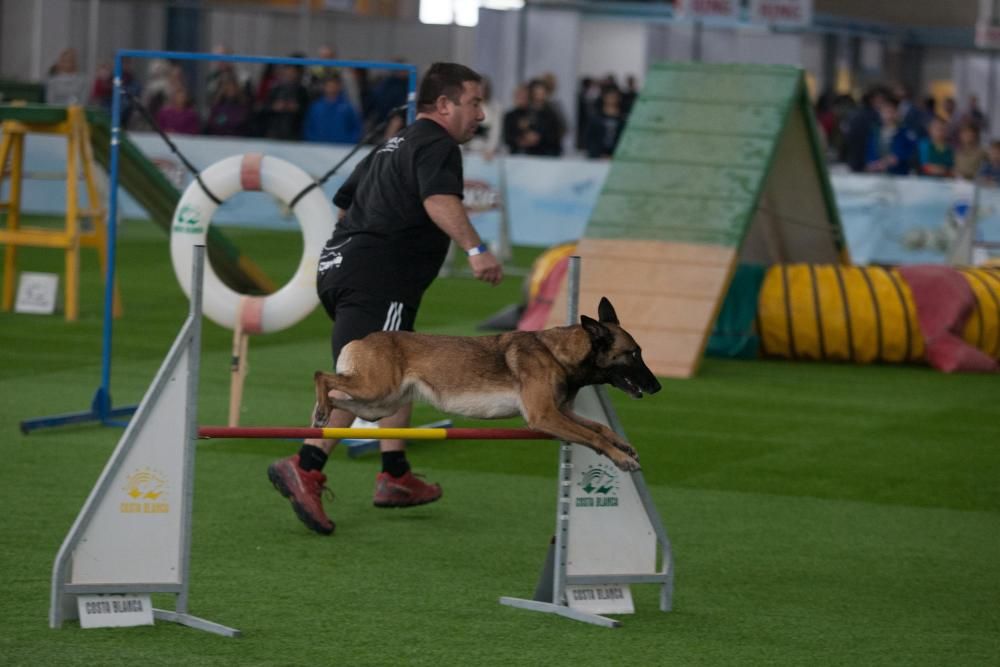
x=606 y=311
x=597 y=331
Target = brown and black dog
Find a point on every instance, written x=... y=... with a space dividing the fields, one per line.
x=536 y=374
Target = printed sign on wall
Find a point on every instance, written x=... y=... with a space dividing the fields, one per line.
x=988 y=25
x=707 y=9
x=781 y=12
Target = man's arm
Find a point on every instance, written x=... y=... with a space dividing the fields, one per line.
x=448 y=213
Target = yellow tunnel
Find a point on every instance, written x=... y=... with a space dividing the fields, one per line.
x=860 y=313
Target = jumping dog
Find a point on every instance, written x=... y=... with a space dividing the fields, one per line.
x=536 y=374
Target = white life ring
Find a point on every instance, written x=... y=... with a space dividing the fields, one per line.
x=222 y=305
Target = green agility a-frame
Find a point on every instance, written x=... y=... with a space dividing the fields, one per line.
x=719 y=164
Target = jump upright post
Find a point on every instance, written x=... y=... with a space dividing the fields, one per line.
x=132 y=536
x=608 y=532
x=101 y=408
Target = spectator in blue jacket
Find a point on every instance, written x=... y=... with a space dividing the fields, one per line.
x=332 y=118
x=892 y=148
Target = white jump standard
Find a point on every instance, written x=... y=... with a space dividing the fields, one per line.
x=133 y=534
x=608 y=530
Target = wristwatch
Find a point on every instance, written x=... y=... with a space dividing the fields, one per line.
x=478 y=250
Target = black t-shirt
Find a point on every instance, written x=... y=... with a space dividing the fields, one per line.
x=387 y=245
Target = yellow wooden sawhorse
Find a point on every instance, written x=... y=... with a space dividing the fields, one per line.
x=86 y=225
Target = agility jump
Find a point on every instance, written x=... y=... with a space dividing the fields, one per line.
x=122 y=546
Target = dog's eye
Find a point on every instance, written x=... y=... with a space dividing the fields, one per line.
x=635 y=353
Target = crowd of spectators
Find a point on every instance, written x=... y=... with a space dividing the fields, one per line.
x=341 y=105
x=537 y=124
x=888 y=132
x=291 y=102
x=885 y=132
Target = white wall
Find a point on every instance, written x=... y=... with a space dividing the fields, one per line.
x=551 y=44
x=972 y=75
x=499 y=63
x=142 y=25
x=938 y=64
x=612 y=47
x=750 y=44
x=354 y=38
x=811 y=49
x=28 y=49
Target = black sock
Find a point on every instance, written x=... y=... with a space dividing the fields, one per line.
x=395 y=463
x=311 y=458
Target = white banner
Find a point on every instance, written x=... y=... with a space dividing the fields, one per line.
x=886 y=219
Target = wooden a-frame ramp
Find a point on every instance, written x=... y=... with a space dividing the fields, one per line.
x=719 y=164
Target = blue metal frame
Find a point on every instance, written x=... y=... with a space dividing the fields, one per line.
x=100 y=408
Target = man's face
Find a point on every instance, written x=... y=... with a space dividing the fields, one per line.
x=331 y=88
x=938 y=131
x=889 y=114
x=463 y=118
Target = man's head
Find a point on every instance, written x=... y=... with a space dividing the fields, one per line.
x=538 y=93
x=289 y=74
x=611 y=99
x=937 y=129
x=332 y=86
x=452 y=96
x=968 y=135
x=888 y=109
x=994 y=152
x=521 y=96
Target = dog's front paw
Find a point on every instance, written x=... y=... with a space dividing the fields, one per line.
x=624 y=461
x=626 y=448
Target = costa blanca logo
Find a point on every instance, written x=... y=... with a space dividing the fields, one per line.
x=146 y=489
x=479 y=197
x=188 y=220
x=600 y=483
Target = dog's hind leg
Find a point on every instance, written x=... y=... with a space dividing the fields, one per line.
x=542 y=414
x=321 y=411
x=363 y=396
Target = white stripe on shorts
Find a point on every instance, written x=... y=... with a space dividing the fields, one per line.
x=394 y=317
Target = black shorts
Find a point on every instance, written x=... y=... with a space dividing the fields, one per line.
x=356 y=314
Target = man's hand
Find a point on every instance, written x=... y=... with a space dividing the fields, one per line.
x=486 y=267
x=448 y=213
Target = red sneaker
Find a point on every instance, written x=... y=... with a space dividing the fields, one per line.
x=305 y=489
x=405 y=491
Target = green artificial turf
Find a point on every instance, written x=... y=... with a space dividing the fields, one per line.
x=820 y=514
